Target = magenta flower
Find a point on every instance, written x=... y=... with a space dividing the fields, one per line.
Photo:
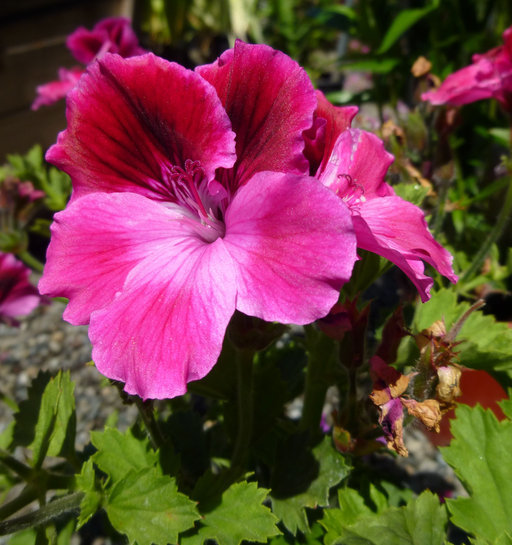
x=111 y=35
x=18 y=296
x=489 y=76
x=172 y=225
x=353 y=164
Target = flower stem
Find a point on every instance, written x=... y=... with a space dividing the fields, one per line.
x=31 y=261
x=320 y=350
x=148 y=418
x=61 y=506
x=494 y=235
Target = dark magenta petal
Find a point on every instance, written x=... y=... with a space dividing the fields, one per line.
x=130 y=120
x=330 y=122
x=270 y=101
x=293 y=244
x=111 y=35
x=397 y=230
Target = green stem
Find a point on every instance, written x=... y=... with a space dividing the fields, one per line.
x=65 y=505
x=244 y=367
x=26 y=496
x=24 y=471
x=494 y=235
x=146 y=412
x=320 y=349
x=31 y=261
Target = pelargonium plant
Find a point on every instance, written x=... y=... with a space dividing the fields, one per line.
x=214 y=243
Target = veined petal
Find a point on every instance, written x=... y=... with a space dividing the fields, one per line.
x=130 y=119
x=99 y=239
x=358 y=160
x=167 y=325
x=293 y=245
x=397 y=230
x=270 y=101
x=331 y=121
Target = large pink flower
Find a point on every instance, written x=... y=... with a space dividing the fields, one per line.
x=353 y=164
x=18 y=296
x=110 y=35
x=172 y=225
x=489 y=76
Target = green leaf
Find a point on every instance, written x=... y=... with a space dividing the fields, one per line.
x=56 y=423
x=403 y=22
x=120 y=453
x=240 y=516
x=481 y=455
x=376 y=66
x=421 y=522
x=92 y=499
x=25 y=537
x=331 y=468
x=414 y=193
x=147 y=507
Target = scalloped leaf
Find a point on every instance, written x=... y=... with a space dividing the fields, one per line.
x=240 y=516
x=481 y=455
x=147 y=507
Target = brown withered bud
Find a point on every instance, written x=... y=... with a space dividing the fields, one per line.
x=421 y=67
x=428 y=412
x=448 y=387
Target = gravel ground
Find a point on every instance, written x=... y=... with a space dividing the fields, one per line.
x=45 y=342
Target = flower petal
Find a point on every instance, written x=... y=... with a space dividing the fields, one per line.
x=130 y=119
x=397 y=230
x=330 y=122
x=293 y=244
x=358 y=160
x=167 y=325
x=98 y=240
x=270 y=101
x=51 y=92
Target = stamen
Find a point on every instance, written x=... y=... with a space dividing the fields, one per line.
x=186 y=181
x=352 y=193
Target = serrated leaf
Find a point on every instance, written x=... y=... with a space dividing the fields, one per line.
x=147 y=507
x=120 y=453
x=421 y=522
x=56 y=423
x=92 y=499
x=240 y=516
x=331 y=470
x=402 y=22
x=481 y=455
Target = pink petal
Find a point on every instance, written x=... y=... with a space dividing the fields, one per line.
x=129 y=120
x=18 y=296
x=330 y=122
x=293 y=244
x=270 y=101
x=167 y=325
x=98 y=240
x=474 y=82
x=397 y=230
x=49 y=93
x=357 y=166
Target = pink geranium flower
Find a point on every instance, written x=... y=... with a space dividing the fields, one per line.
x=489 y=76
x=173 y=224
x=353 y=164
x=111 y=35
x=18 y=296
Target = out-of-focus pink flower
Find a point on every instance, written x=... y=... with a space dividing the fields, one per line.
x=489 y=76
x=111 y=35
x=353 y=164
x=173 y=224
x=51 y=92
x=18 y=296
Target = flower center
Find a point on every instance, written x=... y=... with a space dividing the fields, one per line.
x=350 y=191
x=191 y=191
